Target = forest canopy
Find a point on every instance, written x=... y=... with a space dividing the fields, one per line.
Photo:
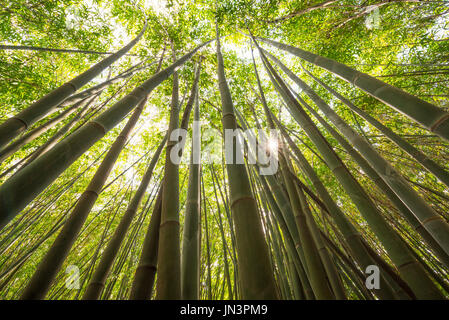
x=93 y=207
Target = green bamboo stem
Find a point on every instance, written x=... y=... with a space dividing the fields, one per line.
x=281 y=197
x=101 y=86
x=168 y=286
x=289 y=217
x=430 y=116
x=372 y=174
x=206 y=227
x=316 y=272
x=409 y=268
x=292 y=244
x=415 y=153
x=36 y=132
x=281 y=261
x=143 y=282
x=223 y=240
x=430 y=219
x=96 y=283
x=50 y=264
x=190 y=258
x=23 y=187
x=39 y=109
x=284 y=258
x=60 y=133
x=352 y=236
x=329 y=267
x=251 y=247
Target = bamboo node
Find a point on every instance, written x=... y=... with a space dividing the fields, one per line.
x=169 y=222
x=406 y=264
x=439 y=122
x=95 y=193
x=242 y=198
x=357 y=76
x=72 y=85
x=21 y=120
x=99 y=125
x=431 y=219
x=226 y=114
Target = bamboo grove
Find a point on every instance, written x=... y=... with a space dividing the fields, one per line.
x=92 y=205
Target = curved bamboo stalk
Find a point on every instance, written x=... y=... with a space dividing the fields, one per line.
x=430 y=219
x=23 y=187
x=417 y=154
x=50 y=264
x=99 y=87
x=409 y=268
x=251 y=247
x=279 y=204
x=316 y=272
x=288 y=217
x=372 y=174
x=39 y=109
x=60 y=133
x=77 y=100
x=430 y=116
x=143 y=282
x=206 y=227
x=96 y=283
x=223 y=239
x=168 y=286
x=36 y=132
x=329 y=267
x=352 y=237
x=142 y=286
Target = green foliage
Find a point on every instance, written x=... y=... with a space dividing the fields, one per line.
x=407 y=47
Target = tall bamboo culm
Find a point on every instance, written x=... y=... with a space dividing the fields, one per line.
x=414 y=152
x=351 y=235
x=39 y=109
x=143 y=282
x=190 y=256
x=168 y=285
x=409 y=268
x=50 y=264
x=97 y=281
x=252 y=250
x=23 y=187
x=430 y=219
x=54 y=258
x=430 y=116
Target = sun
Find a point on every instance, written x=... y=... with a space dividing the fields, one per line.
x=272 y=145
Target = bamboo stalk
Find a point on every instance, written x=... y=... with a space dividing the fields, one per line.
x=190 y=258
x=414 y=275
x=50 y=264
x=430 y=219
x=22 y=188
x=430 y=116
x=418 y=155
x=251 y=247
x=39 y=109
x=96 y=283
